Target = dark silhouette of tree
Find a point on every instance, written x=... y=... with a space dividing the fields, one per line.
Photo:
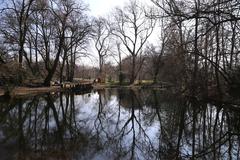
x=208 y=44
x=101 y=37
x=133 y=29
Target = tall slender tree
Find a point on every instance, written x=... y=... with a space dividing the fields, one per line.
x=133 y=28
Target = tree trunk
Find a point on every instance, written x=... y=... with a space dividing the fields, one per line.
x=132 y=78
x=194 y=78
x=56 y=61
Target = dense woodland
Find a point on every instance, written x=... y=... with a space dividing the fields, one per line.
x=197 y=48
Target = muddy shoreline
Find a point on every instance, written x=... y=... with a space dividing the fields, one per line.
x=25 y=91
x=29 y=91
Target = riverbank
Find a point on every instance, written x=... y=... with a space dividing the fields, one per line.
x=24 y=91
x=32 y=91
x=133 y=86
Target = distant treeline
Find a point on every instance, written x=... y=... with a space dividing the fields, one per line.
x=197 y=49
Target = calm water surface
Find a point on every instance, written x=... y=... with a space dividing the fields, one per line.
x=117 y=124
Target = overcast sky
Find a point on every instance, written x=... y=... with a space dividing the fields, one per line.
x=103 y=7
x=100 y=8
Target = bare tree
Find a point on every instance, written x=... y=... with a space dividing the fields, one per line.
x=133 y=28
x=155 y=56
x=21 y=11
x=211 y=49
x=14 y=26
x=119 y=53
x=61 y=14
x=75 y=43
x=101 y=38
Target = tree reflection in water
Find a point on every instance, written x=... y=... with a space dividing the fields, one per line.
x=118 y=124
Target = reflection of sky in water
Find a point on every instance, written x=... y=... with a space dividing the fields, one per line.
x=113 y=129
x=111 y=126
x=108 y=127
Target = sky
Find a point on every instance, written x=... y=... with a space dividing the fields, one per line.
x=100 y=8
x=103 y=7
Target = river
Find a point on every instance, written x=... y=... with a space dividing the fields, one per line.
x=117 y=124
